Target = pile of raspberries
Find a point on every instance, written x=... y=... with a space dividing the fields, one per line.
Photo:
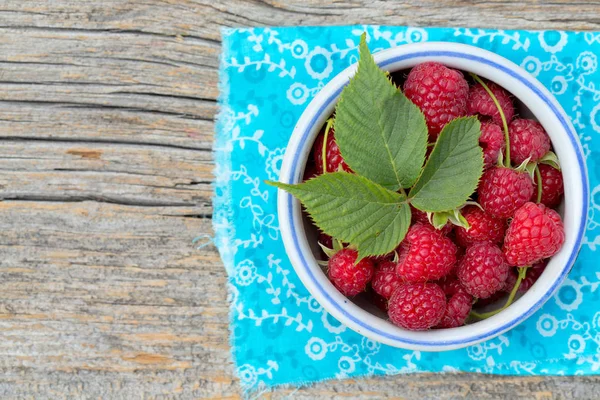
x=435 y=277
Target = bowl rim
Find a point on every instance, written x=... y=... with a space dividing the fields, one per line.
x=482 y=62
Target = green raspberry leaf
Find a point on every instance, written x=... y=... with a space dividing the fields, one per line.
x=381 y=134
x=551 y=159
x=355 y=210
x=453 y=169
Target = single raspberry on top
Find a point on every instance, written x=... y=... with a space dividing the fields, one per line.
x=425 y=254
x=481 y=103
x=536 y=232
x=417 y=306
x=492 y=142
x=552 y=186
x=349 y=278
x=503 y=190
x=333 y=155
x=483 y=270
x=385 y=280
x=440 y=92
x=528 y=139
x=484 y=227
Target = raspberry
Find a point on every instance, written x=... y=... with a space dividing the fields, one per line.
x=385 y=280
x=348 y=278
x=484 y=227
x=425 y=254
x=552 y=186
x=492 y=142
x=481 y=103
x=527 y=139
x=417 y=306
x=421 y=216
x=333 y=155
x=457 y=311
x=503 y=190
x=511 y=280
x=451 y=286
x=536 y=232
x=440 y=92
x=483 y=270
x=531 y=276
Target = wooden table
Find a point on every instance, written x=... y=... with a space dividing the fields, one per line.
x=106 y=128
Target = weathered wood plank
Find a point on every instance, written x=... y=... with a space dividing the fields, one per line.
x=92 y=124
x=124 y=174
x=106 y=121
x=110 y=86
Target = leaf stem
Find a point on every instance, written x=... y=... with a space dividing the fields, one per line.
x=324 y=150
x=538 y=178
x=504 y=123
x=511 y=296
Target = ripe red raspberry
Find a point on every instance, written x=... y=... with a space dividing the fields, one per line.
x=440 y=92
x=481 y=103
x=385 y=280
x=457 y=310
x=536 y=232
x=484 y=227
x=425 y=254
x=333 y=155
x=483 y=270
x=421 y=217
x=528 y=139
x=348 y=278
x=552 y=186
x=531 y=276
x=492 y=142
x=511 y=281
x=451 y=285
x=417 y=306
x=503 y=190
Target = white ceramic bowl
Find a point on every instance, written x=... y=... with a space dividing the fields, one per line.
x=299 y=238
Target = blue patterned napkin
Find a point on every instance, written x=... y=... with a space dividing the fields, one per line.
x=279 y=333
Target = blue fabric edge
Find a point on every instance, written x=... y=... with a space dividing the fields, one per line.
x=224 y=234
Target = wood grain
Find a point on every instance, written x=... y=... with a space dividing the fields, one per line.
x=106 y=125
